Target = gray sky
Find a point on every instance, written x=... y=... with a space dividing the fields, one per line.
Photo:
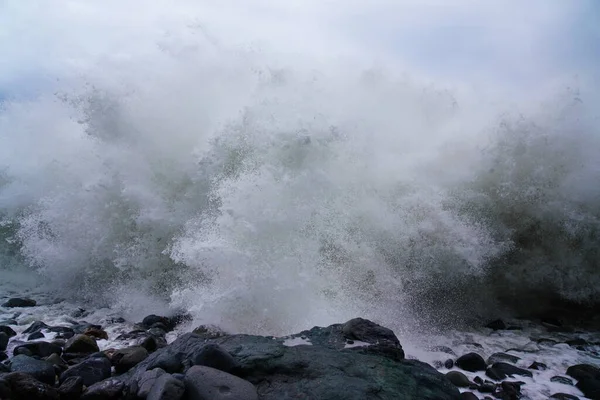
x=508 y=42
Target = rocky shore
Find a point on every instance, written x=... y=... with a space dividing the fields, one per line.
x=357 y=359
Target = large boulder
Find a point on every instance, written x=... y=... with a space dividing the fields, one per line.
x=41 y=370
x=205 y=383
x=82 y=344
x=19 y=302
x=39 y=349
x=327 y=366
x=92 y=370
x=18 y=385
x=125 y=359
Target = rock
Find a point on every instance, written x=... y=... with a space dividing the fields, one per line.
x=498 y=357
x=3 y=341
x=449 y=363
x=511 y=390
x=8 y=331
x=564 y=396
x=35 y=336
x=19 y=302
x=471 y=362
x=589 y=387
x=205 y=383
x=146 y=382
x=3 y=356
x=40 y=349
x=468 y=396
x=57 y=361
x=110 y=389
x=37 y=326
x=500 y=370
x=443 y=349
x=41 y=370
x=209 y=332
x=487 y=387
x=92 y=370
x=538 y=366
x=167 y=387
x=496 y=325
x=458 y=379
x=561 y=379
x=81 y=344
x=577 y=342
x=125 y=359
x=584 y=371
x=369 y=332
x=61 y=329
x=71 y=388
x=321 y=371
x=214 y=356
x=151 y=320
x=96 y=333
x=21 y=386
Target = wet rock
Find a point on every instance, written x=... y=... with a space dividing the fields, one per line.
x=583 y=371
x=209 y=332
x=564 y=396
x=19 y=302
x=152 y=319
x=145 y=383
x=125 y=359
x=458 y=379
x=369 y=332
x=96 y=333
x=487 y=387
x=510 y=390
x=36 y=336
x=214 y=356
x=40 y=370
x=110 y=389
x=468 y=396
x=39 y=349
x=8 y=331
x=443 y=349
x=501 y=357
x=471 y=362
x=500 y=370
x=562 y=379
x=3 y=341
x=449 y=363
x=81 y=327
x=79 y=313
x=590 y=387
x=538 y=366
x=92 y=370
x=496 y=325
x=18 y=385
x=37 y=326
x=167 y=387
x=3 y=356
x=171 y=362
x=57 y=361
x=205 y=383
x=71 y=388
x=81 y=344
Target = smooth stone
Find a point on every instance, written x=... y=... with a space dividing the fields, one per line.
x=468 y=396
x=369 y=332
x=471 y=362
x=10 y=332
x=583 y=371
x=496 y=325
x=92 y=370
x=35 y=336
x=81 y=344
x=95 y=332
x=538 y=366
x=125 y=359
x=449 y=363
x=500 y=357
x=487 y=387
x=590 y=387
x=21 y=386
x=71 y=388
x=144 y=385
x=205 y=383
x=109 y=389
x=167 y=387
x=3 y=341
x=500 y=370
x=214 y=356
x=37 y=326
x=19 y=302
x=40 y=349
x=3 y=356
x=458 y=379
x=41 y=370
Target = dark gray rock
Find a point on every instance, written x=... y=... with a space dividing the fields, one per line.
x=500 y=370
x=146 y=381
x=324 y=370
x=167 y=387
x=71 y=388
x=92 y=370
x=468 y=396
x=41 y=370
x=61 y=329
x=502 y=357
x=496 y=325
x=214 y=356
x=564 y=396
x=81 y=344
x=21 y=386
x=369 y=332
x=3 y=356
x=590 y=387
x=583 y=371
x=110 y=389
x=538 y=366
x=562 y=379
x=37 y=326
x=151 y=320
x=471 y=362
x=443 y=349
x=449 y=363
x=3 y=341
x=8 y=331
x=205 y=383
x=487 y=387
x=40 y=349
x=125 y=359
x=19 y=302
x=35 y=336
x=458 y=379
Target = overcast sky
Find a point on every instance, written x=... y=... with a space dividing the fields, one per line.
x=520 y=42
